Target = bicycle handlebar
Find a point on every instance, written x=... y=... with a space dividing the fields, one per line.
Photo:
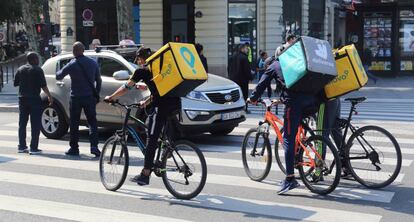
x=267 y=103
x=116 y=102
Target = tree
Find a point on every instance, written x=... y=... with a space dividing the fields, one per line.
x=10 y=12
x=31 y=9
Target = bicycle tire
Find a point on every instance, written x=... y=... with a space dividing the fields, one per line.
x=311 y=173
x=280 y=149
x=268 y=159
x=357 y=174
x=174 y=154
x=102 y=160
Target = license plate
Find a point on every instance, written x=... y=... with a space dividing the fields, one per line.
x=232 y=115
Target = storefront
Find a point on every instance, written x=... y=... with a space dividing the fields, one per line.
x=386 y=32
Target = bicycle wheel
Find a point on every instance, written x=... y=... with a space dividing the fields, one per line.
x=113 y=164
x=324 y=176
x=184 y=170
x=373 y=156
x=280 y=151
x=256 y=155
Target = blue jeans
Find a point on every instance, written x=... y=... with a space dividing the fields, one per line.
x=88 y=105
x=292 y=118
x=29 y=107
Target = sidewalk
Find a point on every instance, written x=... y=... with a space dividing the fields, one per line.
x=8 y=98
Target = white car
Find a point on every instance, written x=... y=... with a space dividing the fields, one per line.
x=216 y=106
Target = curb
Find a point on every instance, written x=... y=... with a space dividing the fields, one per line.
x=12 y=109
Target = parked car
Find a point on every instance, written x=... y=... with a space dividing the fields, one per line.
x=216 y=106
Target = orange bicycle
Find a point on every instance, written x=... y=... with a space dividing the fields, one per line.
x=316 y=158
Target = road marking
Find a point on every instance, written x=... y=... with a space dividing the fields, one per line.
x=237 y=181
x=73 y=212
x=207 y=201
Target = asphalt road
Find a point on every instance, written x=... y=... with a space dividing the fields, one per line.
x=53 y=187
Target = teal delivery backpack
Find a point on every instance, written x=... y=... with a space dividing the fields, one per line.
x=308 y=65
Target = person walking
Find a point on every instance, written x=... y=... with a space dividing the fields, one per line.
x=239 y=70
x=200 y=51
x=262 y=69
x=289 y=40
x=30 y=78
x=84 y=73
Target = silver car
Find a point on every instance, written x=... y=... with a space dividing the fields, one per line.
x=216 y=106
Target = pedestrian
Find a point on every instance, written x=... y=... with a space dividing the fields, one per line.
x=289 y=40
x=84 y=73
x=367 y=59
x=239 y=70
x=30 y=78
x=200 y=51
x=261 y=69
x=249 y=52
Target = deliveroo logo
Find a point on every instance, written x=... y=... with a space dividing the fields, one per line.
x=188 y=58
x=322 y=51
x=340 y=78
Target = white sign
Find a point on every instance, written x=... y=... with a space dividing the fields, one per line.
x=87 y=23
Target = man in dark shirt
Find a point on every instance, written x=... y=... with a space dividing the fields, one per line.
x=163 y=107
x=84 y=73
x=30 y=79
x=200 y=51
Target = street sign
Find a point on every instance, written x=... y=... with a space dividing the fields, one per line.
x=87 y=14
x=87 y=23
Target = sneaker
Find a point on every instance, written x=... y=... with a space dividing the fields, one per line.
x=95 y=151
x=23 y=150
x=288 y=185
x=135 y=178
x=142 y=180
x=72 y=152
x=35 y=152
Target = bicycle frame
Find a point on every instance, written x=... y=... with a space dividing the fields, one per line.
x=273 y=120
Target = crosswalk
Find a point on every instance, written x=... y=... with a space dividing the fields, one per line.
x=55 y=187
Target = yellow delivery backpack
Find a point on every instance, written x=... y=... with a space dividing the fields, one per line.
x=351 y=74
x=176 y=69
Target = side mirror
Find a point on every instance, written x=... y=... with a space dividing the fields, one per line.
x=121 y=75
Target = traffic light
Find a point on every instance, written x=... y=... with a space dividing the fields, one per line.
x=40 y=27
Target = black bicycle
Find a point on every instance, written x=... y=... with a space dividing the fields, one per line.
x=371 y=155
x=181 y=164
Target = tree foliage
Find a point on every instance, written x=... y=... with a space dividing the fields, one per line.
x=11 y=11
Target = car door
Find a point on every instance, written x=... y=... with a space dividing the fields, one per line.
x=62 y=87
x=105 y=112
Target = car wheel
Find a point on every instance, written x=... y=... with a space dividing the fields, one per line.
x=222 y=132
x=54 y=125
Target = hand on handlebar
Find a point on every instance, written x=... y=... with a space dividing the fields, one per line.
x=250 y=101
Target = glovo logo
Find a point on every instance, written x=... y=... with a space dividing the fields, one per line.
x=340 y=77
x=188 y=58
x=167 y=72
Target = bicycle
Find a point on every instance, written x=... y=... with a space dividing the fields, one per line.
x=316 y=170
x=361 y=146
x=177 y=163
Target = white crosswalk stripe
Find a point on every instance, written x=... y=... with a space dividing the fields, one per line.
x=209 y=199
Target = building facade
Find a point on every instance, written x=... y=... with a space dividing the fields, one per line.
x=219 y=25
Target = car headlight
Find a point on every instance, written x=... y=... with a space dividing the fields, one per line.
x=192 y=114
x=197 y=96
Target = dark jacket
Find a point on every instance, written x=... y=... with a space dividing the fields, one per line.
x=79 y=85
x=204 y=61
x=239 y=69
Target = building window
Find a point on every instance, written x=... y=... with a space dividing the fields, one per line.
x=406 y=39
x=242 y=25
x=292 y=17
x=317 y=18
x=179 y=21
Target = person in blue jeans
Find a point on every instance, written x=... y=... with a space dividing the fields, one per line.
x=84 y=73
x=295 y=105
x=30 y=79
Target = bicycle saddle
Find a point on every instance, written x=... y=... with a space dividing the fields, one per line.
x=356 y=100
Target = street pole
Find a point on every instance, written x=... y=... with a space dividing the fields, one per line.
x=47 y=35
